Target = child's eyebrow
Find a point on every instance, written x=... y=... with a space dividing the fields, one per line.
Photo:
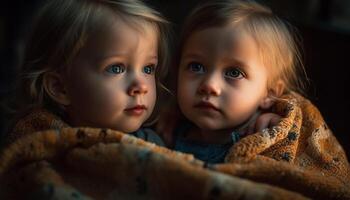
x=237 y=61
x=115 y=55
x=192 y=56
x=153 y=57
x=112 y=55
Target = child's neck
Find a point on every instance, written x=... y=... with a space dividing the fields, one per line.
x=222 y=136
x=210 y=136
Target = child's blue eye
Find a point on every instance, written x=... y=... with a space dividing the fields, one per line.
x=234 y=73
x=115 y=69
x=149 y=69
x=196 y=67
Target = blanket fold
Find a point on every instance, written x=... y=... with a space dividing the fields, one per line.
x=298 y=159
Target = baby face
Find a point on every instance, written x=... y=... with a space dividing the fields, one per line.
x=112 y=83
x=222 y=80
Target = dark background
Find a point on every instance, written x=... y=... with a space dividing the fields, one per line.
x=323 y=24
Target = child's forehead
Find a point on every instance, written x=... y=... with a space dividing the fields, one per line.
x=222 y=44
x=228 y=37
x=123 y=23
x=120 y=32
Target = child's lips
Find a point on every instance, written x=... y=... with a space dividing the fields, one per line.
x=136 y=110
x=206 y=106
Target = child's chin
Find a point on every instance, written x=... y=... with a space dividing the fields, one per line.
x=128 y=128
x=207 y=125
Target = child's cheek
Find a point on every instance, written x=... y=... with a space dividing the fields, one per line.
x=190 y=86
x=110 y=95
x=102 y=95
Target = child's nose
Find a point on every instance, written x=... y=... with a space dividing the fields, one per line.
x=137 y=87
x=210 y=86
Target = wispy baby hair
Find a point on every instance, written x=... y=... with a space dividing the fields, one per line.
x=62 y=28
x=278 y=47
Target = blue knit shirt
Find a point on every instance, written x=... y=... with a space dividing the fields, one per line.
x=210 y=153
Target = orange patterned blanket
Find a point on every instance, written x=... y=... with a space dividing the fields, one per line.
x=297 y=159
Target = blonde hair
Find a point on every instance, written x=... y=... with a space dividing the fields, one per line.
x=277 y=46
x=61 y=30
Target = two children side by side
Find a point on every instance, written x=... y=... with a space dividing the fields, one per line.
x=100 y=64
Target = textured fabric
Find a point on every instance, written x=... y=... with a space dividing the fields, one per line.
x=298 y=159
x=210 y=153
x=148 y=135
x=36 y=119
x=40 y=119
x=104 y=164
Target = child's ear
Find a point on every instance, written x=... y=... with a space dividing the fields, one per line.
x=274 y=92
x=55 y=88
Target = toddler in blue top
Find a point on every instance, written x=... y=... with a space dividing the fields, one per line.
x=236 y=58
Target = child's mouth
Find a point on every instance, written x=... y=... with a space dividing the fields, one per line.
x=136 y=110
x=206 y=106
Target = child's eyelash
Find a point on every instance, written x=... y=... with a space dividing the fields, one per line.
x=149 y=69
x=195 y=67
x=235 y=73
x=115 y=69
